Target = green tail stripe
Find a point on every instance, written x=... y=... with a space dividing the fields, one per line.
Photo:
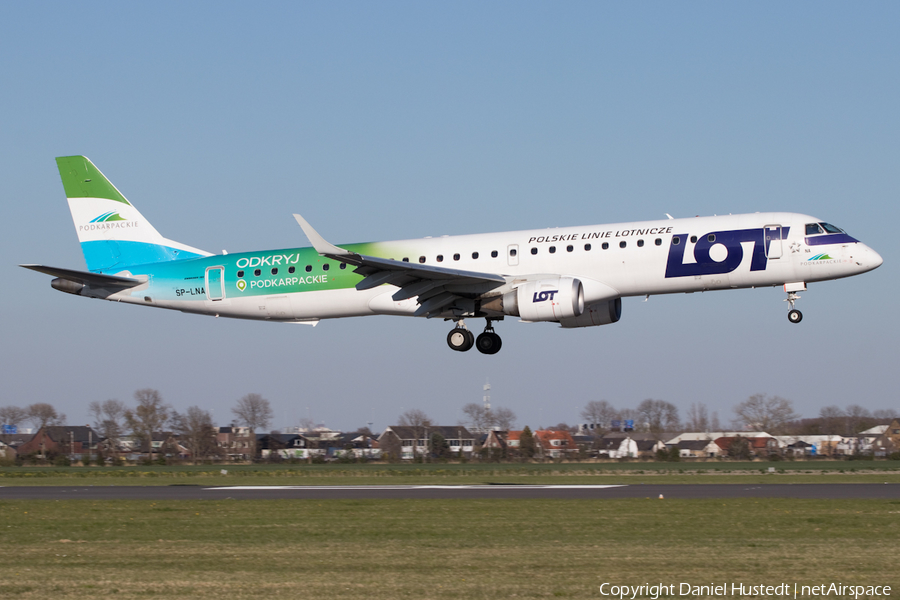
x=82 y=179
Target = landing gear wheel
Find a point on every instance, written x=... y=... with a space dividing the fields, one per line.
x=460 y=339
x=488 y=343
x=795 y=316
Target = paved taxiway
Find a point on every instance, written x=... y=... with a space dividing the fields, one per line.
x=832 y=491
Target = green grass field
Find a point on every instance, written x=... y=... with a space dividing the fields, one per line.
x=378 y=549
x=470 y=473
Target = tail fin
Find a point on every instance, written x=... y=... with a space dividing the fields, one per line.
x=113 y=234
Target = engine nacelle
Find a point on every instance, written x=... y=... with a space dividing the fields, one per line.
x=600 y=313
x=546 y=300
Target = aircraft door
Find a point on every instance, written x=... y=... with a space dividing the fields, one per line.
x=215 y=283
x=773 y=241
x=512 y=254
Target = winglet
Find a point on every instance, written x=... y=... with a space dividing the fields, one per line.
x=318 y=242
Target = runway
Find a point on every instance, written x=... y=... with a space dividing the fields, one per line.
x=836 y=491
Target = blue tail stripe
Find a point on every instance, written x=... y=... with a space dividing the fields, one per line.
x=114 y=255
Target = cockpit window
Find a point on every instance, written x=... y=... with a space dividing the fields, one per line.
x=817 y=228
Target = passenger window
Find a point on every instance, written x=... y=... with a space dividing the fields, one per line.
x=274 y=271
x=440 y=258
x=658 y=242
x=344 y=265
x=421 y=259
x=493 y=254
x=622 y=244
x=587 y=247
x=534 y=250
x=474 y=255
x=640 y=243
x=456 y=256
x=405 y=259
x=693 y=239
x=605 y=245
x=240 y=273
x=326 y=266
x=257 y=272
x=711 y=237
x=552 y=249
x=676 y=240
x=291 y=269
x=569 y=248
x=309 y=268
x=512 y=252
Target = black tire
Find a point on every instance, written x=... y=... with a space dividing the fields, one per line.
x=488 y=343
x=460 y=339
x=795 y=316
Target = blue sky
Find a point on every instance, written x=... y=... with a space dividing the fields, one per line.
x=397 y=120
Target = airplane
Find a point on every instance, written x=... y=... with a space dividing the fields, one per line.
x=572 y=276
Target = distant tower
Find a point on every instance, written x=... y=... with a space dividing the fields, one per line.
x=487 y=396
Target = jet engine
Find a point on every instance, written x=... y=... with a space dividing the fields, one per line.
x=599 y=313
x=546 y=300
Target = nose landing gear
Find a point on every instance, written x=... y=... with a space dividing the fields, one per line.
x=461 y=339
x=794 y=315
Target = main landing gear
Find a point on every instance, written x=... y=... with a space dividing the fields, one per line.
x=461 y=339
x=794 y=315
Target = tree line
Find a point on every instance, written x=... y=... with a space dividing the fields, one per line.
x=113 y=420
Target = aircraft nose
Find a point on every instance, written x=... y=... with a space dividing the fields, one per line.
x=872 y=259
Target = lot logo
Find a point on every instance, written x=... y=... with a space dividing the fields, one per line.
x=731 y=241
x=241 y=285
x=820 y=257
x=107 y=217
x=544 y=296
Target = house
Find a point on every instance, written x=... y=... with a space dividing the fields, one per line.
x=67 y=440
x=762 y=446
x=619 y=444
x=812 y=445
x=285 y=446
x=697 y=449
x=407 y=443
x=556 y=444
x=235 y=442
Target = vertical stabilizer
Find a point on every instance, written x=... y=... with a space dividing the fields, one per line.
x=113 y=234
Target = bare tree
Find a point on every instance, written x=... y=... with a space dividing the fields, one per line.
x=858 y=419
x=255 y=412
x=504 y=418
x=480 y=419
x=885 y=414
x=765 y=413
x=109 y=421
x=419 y=421
x=42 y=415
x=658 y=415
x=150 y=416
x=12 y=415
x=832 y=419
x=697 y=418
x=599 y=413
x=477 y=417
x=196 y=431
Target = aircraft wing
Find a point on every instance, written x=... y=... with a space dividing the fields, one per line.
x=86 y=278
x=438 y=288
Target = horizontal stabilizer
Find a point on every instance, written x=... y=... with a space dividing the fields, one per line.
x=86 y=278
